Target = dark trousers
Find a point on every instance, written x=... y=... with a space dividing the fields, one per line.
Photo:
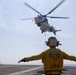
x=52 y=74
x=48 y=72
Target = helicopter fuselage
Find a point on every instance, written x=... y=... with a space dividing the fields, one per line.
x=42 y=22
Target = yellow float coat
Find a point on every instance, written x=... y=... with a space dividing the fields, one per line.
x=52 y=59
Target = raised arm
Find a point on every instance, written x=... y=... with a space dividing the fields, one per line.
x=69 y=57
x=31 y=58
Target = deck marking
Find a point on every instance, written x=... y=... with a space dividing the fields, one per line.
x=21 y=72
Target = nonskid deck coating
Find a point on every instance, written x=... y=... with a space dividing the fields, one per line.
x=31 y=70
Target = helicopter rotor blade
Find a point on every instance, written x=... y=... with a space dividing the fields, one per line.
x=55 y=7
x=27 y=19
x=58 y=17
x=32 y=8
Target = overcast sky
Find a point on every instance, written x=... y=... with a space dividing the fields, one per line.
x=20 y=38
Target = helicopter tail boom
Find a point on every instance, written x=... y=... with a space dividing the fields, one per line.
x=56 y=31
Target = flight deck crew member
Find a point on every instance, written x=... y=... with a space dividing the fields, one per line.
x=52 y=58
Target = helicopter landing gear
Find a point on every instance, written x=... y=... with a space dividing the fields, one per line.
x=38 y=24
x=42 y=31
x=50 y=29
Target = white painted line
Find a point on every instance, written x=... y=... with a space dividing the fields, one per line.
x=21 y=72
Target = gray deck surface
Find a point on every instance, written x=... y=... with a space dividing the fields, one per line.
x=31 y=70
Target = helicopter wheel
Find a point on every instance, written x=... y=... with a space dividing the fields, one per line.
x=50 y=29
x=42 y=31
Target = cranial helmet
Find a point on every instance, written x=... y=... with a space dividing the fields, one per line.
x=52 y=41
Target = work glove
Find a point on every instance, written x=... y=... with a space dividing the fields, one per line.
x=22 y=60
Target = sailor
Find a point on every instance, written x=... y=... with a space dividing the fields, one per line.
x=52 y=58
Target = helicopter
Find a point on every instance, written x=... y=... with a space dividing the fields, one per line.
x=42 y=21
